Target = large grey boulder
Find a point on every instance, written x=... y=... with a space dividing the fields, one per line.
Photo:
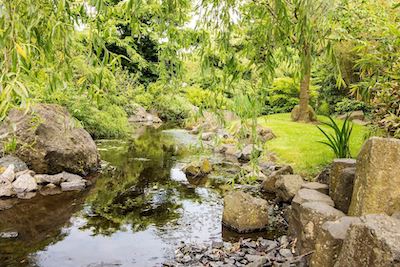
x=329 y=241
x=50 y=141
x=287 y=186
x=48 y=179
x=375 y=241
x=306 y=221
x=376 y=186
x=244 y=213
x=268 y=185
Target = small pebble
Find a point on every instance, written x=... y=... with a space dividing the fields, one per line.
x=8 y=235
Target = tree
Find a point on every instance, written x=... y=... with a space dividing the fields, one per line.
x=269 y=26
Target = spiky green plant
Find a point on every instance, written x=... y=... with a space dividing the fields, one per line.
x=339 y=141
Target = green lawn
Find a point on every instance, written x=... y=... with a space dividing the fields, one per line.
x=297 y=143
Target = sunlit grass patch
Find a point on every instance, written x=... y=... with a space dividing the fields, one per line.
x=297 y=143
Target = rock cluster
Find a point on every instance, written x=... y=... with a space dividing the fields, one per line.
x=367 y=188
x=24 y=184
x=253 y=253
x=310 y=210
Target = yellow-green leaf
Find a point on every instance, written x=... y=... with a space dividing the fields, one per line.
x=20 y=51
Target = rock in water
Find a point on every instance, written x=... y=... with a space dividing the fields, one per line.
x=9 y=173
x=73 y=186
x=376 y=186
x=198 y=169
x=24 y=183
x=49 y=140
x=6 y=188
x=375 y=241
x=244 y=213
x=8 y=235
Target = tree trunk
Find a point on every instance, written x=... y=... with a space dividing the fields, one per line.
x=304 y=112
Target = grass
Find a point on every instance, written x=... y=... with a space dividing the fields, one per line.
x=297 y=143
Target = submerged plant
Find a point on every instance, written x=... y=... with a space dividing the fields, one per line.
x=339 y=142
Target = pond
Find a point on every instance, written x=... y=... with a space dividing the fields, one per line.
x=134 y=214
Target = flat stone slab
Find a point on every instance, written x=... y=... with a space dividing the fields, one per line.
x=322 y=188
x=309 y=195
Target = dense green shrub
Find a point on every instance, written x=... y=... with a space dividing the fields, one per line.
x=172 y=107
x=109 y=122
x=283 y=95
x=348 y=105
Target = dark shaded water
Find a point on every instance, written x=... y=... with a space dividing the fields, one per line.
x=133 y=216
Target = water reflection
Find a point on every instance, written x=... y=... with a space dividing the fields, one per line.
x=132 y=216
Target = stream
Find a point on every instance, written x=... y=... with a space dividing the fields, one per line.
x=134 y=214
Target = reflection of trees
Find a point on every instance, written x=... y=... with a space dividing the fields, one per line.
x=39 y=222
x=128 y=197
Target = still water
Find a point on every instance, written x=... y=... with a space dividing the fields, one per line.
x=133 y=215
